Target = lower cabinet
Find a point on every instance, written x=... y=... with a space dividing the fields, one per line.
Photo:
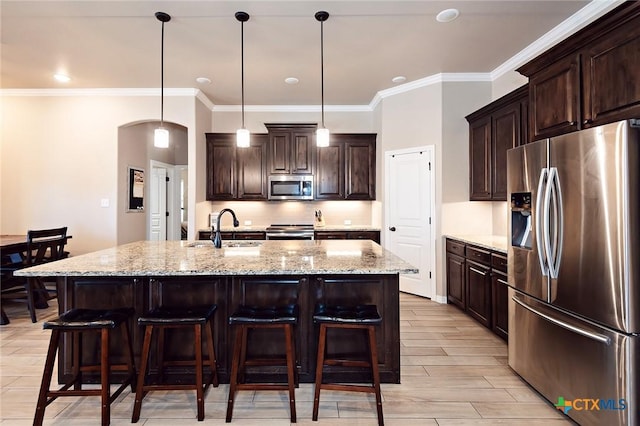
x=348 y=235
x=477 y=284
x=244 y=235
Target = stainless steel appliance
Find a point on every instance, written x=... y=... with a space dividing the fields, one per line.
x=291 y=187
x=290 y=232
x=574 y=269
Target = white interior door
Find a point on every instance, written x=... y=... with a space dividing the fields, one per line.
x=409 y=215
x=158 y=204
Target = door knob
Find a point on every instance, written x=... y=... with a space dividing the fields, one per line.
x=392 y=228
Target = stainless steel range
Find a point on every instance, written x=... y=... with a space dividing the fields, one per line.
x=290 y=232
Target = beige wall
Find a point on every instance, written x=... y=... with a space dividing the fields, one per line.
x=59 y=159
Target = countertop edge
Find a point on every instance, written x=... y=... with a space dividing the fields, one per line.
x=492 y=242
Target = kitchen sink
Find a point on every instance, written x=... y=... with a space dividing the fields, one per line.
x=226 y=244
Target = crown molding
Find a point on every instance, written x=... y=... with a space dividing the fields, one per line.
x=291 y=108
x=592 y=11
x=100 y=92
x=204 y=99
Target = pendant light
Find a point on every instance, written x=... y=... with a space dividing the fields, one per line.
x=161 y=135
x=322 y=134
x=243 y=137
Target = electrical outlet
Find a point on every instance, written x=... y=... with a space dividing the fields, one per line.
x=247 y=223
x=347 y=222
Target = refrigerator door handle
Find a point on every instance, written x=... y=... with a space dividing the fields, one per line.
x=588 y=334
x=542 y=181
x=558 y=226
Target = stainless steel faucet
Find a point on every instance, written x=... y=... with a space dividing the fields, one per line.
x=217 y=238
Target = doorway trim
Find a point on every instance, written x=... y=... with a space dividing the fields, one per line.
x=432 y=206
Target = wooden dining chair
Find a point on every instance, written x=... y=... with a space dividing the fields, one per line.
x=11 y=259
x=43 y=246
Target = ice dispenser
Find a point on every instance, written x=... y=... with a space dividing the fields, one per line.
x=521 y=219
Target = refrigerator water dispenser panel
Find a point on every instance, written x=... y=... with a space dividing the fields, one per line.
x=521 y=219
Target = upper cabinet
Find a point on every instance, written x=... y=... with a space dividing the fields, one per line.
x=345 y=170
x=589 y=79
x=236 y=173
x=291 y=148
x=493 y=130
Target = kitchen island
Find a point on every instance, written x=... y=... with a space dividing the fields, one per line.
x=146 y=274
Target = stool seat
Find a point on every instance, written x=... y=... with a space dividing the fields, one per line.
x=359 y=314
x=89 y=319
x=245 y=314
x=178 y=315
x=77 y=322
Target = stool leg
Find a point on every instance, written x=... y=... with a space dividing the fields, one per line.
x=291 y=365
x=198 y=354
x=322 y=340
x=212 y=356
x=77 y=359
x=130 y=361
x=46 y=378
x=104 y=377
x=233 y=380
x=243 y=354
x=373 y=349
x=146 y=346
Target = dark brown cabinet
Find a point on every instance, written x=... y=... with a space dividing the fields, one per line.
x=291 y=148
x=477 y=284
x=240 y=235
x=456 y=276
x=236 y=173
x=493 y=130
x=589 y=79
x=346 y=168
x=348 y=235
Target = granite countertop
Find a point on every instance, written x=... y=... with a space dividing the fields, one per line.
x=491 y=242
x=263 y=228
x=247 y=257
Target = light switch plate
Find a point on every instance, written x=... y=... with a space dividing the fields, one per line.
x=104 y=202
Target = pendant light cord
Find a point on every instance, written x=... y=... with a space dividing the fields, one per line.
x=322 y=68
x=242 y=66
x=162 y=77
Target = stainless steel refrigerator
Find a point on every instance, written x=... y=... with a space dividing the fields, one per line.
x=574 y=271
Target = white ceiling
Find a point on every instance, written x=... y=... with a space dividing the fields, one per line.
x=116 y=44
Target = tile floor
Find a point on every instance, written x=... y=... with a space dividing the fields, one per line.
x=454 y=372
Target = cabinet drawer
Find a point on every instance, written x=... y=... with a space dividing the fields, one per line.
x=249 y=236
x=499 y=262
x=479 y=255
x=455 y=247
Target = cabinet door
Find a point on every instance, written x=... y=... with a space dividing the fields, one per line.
x=554 y=95
x=524 y=121
x=500 y=303
x=480 y=159
x=360 y=163
x=302 y=150
x=456 y=280
x=279 y=152
x=479 y=292
x=329 y=177
x=221 y=167
x=505 y=128
x=252 y=174
x=611 y=76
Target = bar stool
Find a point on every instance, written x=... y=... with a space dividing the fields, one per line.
x=363 y=317
x=197 y=317
x=77 y=321
x=254 y=317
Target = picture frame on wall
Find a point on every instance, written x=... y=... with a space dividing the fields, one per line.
x=135 y=189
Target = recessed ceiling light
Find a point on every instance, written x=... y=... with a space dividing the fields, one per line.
x=203 y=80
x=447 y=15
x=399 y=79
x=62 y=78
x=291 y=80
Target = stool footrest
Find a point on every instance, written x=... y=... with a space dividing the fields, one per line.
x=261 y=386
x=348 y=387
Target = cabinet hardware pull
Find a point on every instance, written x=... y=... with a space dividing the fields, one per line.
x=477 y=271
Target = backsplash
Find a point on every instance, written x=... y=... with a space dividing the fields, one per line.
x=264 y=213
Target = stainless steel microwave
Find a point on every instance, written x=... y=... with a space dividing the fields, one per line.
x=291 y=187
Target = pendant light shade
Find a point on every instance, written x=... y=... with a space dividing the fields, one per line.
x=161 y=135
x=243 y=137
x=322 y=134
